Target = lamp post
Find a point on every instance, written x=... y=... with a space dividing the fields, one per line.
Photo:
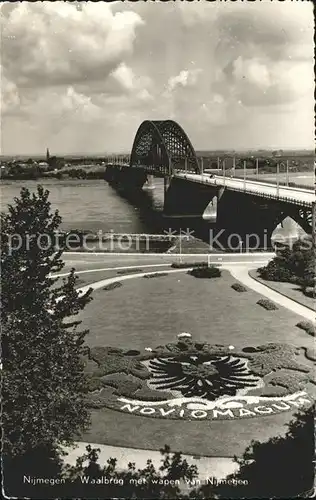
x=202 y=165
x=245 y=174
x=257 y=168
x=278 y=180
x=287 y=172
x=234 y=166
x=224 y=172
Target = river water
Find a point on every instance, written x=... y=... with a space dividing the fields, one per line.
x=93 y=205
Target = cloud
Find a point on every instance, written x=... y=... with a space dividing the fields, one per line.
x=10 y=99
x=84 y=76
x=55 y=43
x=186 y=78
x=129 y=82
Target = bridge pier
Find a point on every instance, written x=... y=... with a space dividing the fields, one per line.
x=126 y=178
x=166 y=184
x=252 y=220
x=187 y=199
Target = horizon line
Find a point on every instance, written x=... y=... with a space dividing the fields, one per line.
x=97 y=154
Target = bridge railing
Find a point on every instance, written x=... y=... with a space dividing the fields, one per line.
x=253 y=177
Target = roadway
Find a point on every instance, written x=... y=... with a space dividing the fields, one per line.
x=100 y=261
x=299 y=196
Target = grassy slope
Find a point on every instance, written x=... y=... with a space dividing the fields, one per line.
x=290 y=290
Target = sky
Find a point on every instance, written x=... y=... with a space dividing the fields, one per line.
x=80 y=78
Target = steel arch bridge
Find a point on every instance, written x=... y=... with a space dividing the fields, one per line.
x=161 y=146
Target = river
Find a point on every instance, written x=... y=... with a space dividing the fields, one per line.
x=93 y=205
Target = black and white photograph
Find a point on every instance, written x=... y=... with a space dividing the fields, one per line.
x=157 y=176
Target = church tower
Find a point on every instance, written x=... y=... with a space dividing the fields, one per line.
x=47 y=155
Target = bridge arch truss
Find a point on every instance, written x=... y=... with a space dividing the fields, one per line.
x=162 y=146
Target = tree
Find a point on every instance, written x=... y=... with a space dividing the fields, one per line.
x=292 y=265
x=44 y=385
x=278 y=269
x=282 y=467
x=302 y=258
x=149 y=483
x=308 y=279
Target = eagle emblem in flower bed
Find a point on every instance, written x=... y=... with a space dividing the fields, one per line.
x=195 y=380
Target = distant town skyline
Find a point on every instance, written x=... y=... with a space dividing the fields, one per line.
x=82 y=77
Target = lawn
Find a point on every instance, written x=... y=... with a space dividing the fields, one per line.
x=150 y=312
x=145 y=313
x=290 y=290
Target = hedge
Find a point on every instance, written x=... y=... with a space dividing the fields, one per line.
x=155 y=275
x=182 y=265
x=205 y=272
x=238 y=287
x=129 y=271
x=308 y=326
x=267 y=304
x=112 y=286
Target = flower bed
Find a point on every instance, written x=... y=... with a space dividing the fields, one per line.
x=189 y=369
x=307 y=326
x=183 y=265
x=112 y=286
x=205 y=272
x=155 y=275
x=267 y=304
x=238 y=287
x=129 y=271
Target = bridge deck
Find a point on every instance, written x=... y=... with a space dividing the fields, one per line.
x=297 y=196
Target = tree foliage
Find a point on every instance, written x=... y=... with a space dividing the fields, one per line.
x=149 y=482
x=44 y=386
x=282 y=467
x=296 y=265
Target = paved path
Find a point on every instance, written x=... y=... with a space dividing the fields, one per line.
x=207 y=466
x=241 y=273
x=86 y=261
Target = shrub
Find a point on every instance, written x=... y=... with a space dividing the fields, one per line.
x=296 y=265
x=205 y=272
x=112 y=286
x=238 y=287
x=155 y=275
x=275 y=271
x=308 y=326
x=267 y=304
x=183 y=265
x=129 y=271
